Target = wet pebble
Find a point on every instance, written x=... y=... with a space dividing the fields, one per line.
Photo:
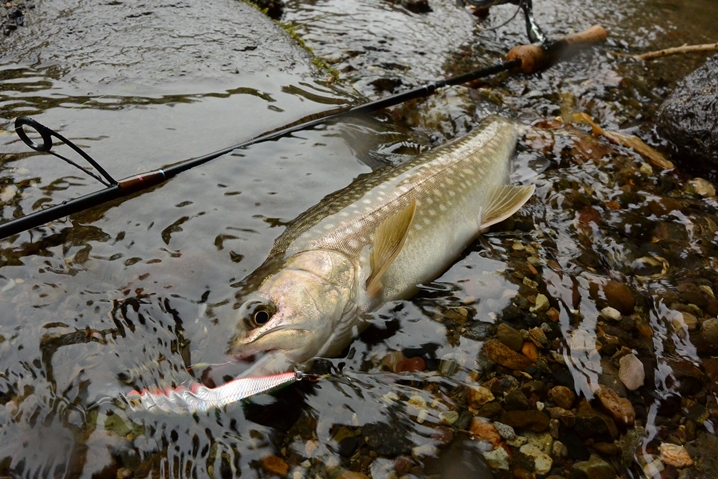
x=458 y=315
x=562 y=396
x=485 y=431
x=611 y=313
x=402 y=465
x=559 y=449
x=538 y=336
x=423 y=451
x=505 y=356
x=591 y=424
x=448 y=417
x=516 y=399
x=523 y=474
x=702 y=187
x=594 y=468
x=410 y=365
x=443 y=435
x=709 y=332
x=498 y=459
x=619 y=408
x=607 y=448
x=620 y=297
x=565 y=417
x=542 y=462
x=541 y=305
x=477 y=396
x=275 y=465
x=392 y=360
x=490 y=410
x=685 y=320
x=510 y=336
x=675 y=455
x=530 y=351
x=532 y=420
x=631 y=372
x=554 y=428
x=450 y=364
x=506 y=431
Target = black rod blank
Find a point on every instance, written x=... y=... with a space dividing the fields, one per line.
x=143 y=181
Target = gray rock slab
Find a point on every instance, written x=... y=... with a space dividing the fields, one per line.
x=689 y=117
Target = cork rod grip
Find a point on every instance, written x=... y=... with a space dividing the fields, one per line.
x=536 y=57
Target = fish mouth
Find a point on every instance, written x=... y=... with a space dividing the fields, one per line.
x=271 y=362
x=280 y=338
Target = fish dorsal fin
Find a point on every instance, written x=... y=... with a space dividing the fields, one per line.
x=502 y=202
x=389 y=238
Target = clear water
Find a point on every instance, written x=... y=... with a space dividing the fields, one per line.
x=134 y=293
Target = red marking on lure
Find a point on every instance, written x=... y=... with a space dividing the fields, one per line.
x=201 y=398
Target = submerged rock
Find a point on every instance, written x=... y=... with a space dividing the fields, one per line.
x=620 y=408
x=532 y=420
x=505 y=356
x=477 y=396
x=386 y=440
x=485 y=430
x=675 y=455
x=509 y=336
x=631 y=372
x=689 y=117
x=594 y=468
x=562 y=396
x=620 y=297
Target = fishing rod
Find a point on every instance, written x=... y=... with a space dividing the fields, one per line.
x=525 y=59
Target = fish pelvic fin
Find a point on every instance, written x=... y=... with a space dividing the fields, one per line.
x=389 y=238
x=502 y=202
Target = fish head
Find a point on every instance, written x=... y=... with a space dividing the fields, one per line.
x=296 y=312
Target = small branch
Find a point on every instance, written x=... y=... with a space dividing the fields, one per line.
x=710 y=47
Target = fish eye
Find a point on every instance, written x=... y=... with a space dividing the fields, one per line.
x=258 y=313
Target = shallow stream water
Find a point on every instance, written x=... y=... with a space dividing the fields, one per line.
x=138 y=293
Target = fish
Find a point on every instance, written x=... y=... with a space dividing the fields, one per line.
x=374 y=241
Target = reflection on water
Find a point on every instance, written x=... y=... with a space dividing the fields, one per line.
x=611 y=260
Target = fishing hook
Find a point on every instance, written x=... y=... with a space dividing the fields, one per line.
x=534 y=32
x=46 y=147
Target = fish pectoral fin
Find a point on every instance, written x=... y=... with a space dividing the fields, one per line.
x=389 y=238
x=502 y=202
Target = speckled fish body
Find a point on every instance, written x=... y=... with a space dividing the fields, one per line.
x=372 y=242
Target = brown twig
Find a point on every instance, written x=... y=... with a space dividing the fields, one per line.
x=709 y=47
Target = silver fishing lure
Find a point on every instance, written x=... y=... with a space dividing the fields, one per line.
x=200 y=398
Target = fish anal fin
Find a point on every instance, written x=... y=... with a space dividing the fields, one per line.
x=502 y=202
x=389 y=238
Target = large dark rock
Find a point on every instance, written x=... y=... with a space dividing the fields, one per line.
x=689 y=117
